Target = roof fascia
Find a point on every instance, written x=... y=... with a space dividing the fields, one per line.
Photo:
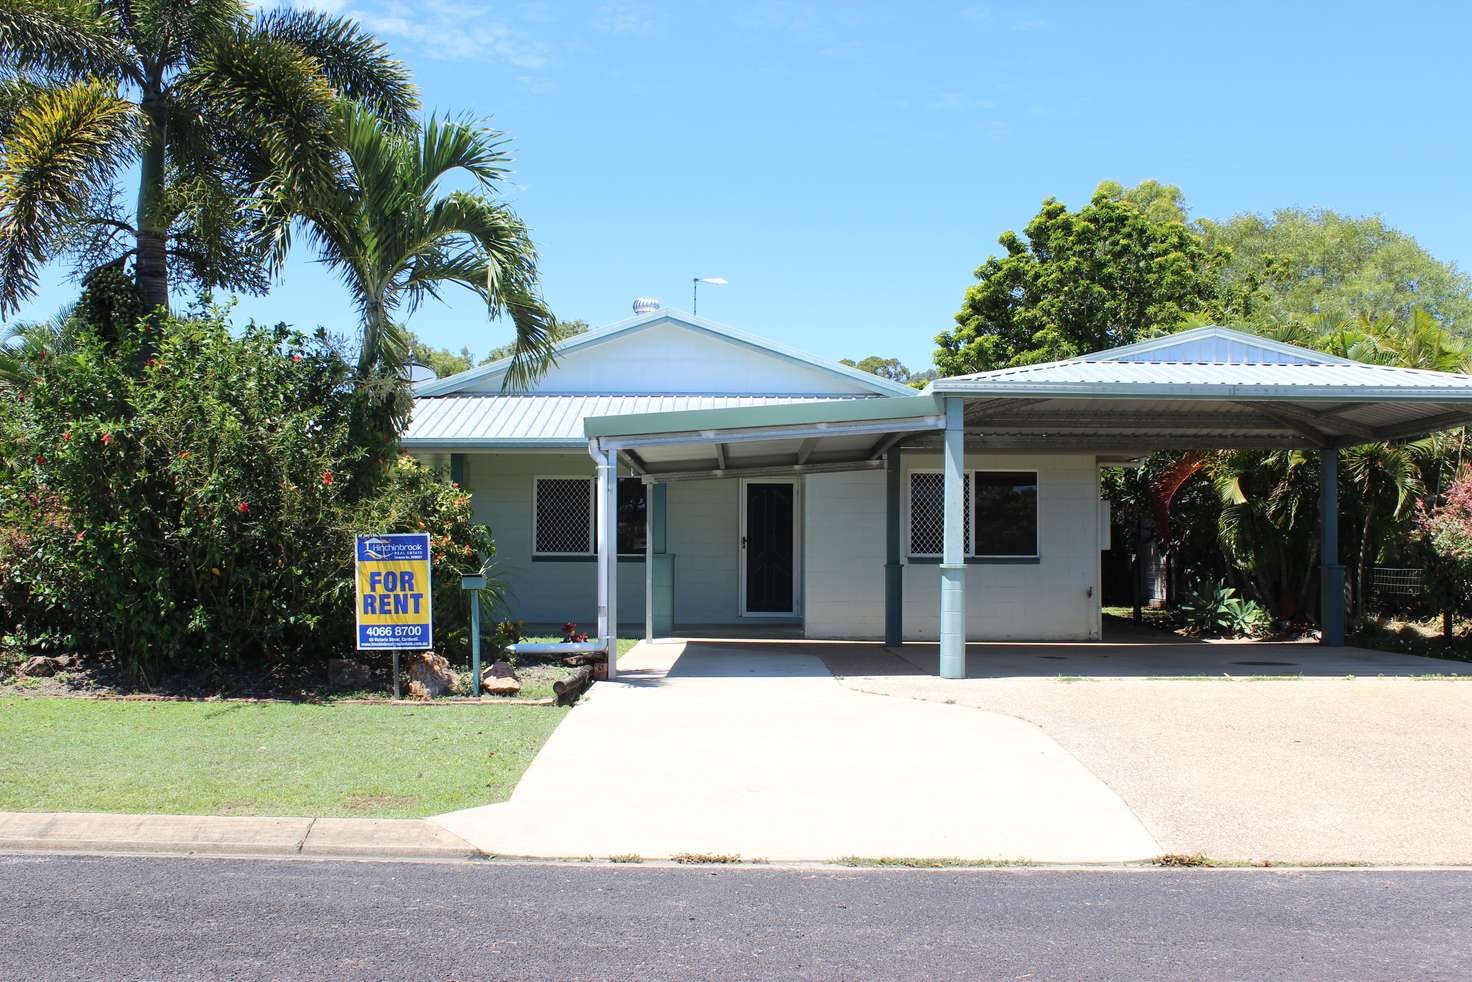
x=493 y=443
x=741 y=417
x=1202 y=390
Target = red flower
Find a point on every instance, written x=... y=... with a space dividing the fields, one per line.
x=106 y=439
x=40 y=459
x=296 y=357
x=80 y=536
x=327 y=478
x=67 y=435
x=243 y=507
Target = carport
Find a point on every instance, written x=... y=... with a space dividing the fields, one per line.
x=1205 y=389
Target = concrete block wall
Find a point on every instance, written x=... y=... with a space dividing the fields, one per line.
x=701 y=527
x=1046 y=600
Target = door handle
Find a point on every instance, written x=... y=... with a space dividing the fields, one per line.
x=743 y=542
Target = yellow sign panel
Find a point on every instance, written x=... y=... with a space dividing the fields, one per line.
x=393 y=592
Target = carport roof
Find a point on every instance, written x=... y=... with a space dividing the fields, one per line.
x=815 y=436
x=1209 y=388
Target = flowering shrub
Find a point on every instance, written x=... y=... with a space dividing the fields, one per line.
x=180 y=502
x=1445 y=531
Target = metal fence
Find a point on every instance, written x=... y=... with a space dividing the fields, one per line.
x=1396 y=583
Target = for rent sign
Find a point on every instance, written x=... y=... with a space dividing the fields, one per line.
x=393 y=592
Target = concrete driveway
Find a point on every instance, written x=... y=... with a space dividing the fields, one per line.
x=755 y=750
x=1286 y=752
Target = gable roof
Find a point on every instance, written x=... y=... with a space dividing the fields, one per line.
x=1217 y=345
x=1213 y=362
x=479 y=377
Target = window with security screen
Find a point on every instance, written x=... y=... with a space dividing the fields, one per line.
x=562 y=520
x=632 y=503
x=1006 y=513
x=928 y=513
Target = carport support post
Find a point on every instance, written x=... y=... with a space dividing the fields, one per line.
x=1331 y=573
x=651 y=505
x=894 y=573
x=607 y=490
x=953 y=550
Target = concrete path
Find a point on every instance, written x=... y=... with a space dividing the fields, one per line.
x=213 y=835
x=1343 y=755
x=702 y=749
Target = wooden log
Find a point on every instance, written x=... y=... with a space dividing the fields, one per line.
x=570 y=688
x=585 y=658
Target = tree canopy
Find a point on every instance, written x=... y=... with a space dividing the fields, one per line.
x=1300 y=265
x=1083 y=281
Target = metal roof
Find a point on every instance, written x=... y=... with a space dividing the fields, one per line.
x=1204 y=388
x=1216 y=362
x=1221 y=380
x=511 y=421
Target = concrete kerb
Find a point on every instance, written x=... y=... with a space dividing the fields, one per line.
x=219 y=835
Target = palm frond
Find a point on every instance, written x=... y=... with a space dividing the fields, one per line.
x=356 y=63
x=61 y=146
x=272 y=92
x=510 y=278
x=58 y=39
x=449 y=145
x=183 y=30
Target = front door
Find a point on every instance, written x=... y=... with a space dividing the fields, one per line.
x=769 y=547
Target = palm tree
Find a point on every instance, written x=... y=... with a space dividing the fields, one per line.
x=228 y=117
x=396 y=238
x=1268 y=525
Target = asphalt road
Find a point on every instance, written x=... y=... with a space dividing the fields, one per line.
x=126 y=918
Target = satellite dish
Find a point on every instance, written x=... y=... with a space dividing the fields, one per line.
x=414 y=373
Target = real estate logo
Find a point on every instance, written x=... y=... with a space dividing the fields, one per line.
x=393 y=594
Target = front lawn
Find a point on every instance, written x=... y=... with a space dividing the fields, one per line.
x=272 y=758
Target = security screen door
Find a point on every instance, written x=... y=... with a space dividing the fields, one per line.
x=768 y=546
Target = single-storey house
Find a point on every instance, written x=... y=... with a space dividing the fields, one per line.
x=683 y=473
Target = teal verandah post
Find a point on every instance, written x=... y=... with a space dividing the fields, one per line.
x=953 y=550
x=475 y=642
x=1331 y=573
x=662 y=564
x=894 y=573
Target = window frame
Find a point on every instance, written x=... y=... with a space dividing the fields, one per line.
x=592 y=552
x=970 y=479
x=592 y=522
x=1037 y=513
x=639 y=553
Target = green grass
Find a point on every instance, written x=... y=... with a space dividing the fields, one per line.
x=278 y=758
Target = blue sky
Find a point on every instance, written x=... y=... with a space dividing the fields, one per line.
x=847 y=167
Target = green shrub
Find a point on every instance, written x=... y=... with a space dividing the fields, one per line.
x=188 y=499
x=1209 y=607
x=1444 y=535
